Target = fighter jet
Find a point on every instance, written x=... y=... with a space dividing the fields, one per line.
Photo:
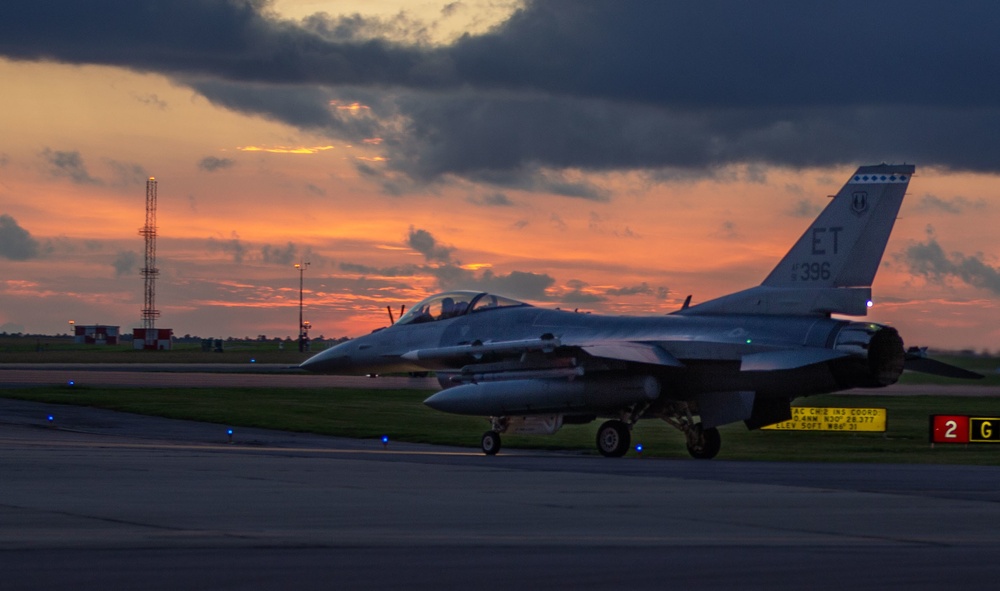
x=741 y=357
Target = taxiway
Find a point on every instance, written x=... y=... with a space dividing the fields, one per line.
x=98 y=499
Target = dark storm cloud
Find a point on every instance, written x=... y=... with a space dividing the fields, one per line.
x=125 y=262
x=577 y=293
x=212 y=163
x=16 y=243
x=519 y=177
x=398 y=271
x=641 y=289
x=517 y=284
x=929 y=260
x=424 y=242
x=491 y=200
x=234 y=247
x=570 y=84
x=230 y=39
x=688 y=54
x=303 y=106
x=68 y=164
x=449 y=274
x=276 y=255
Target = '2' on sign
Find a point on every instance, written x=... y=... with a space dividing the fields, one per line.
x=949 y=429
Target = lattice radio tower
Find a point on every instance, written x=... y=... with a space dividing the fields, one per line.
x=149 y=272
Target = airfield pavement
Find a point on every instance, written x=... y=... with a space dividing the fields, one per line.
x=250 y=375
x=98 y=499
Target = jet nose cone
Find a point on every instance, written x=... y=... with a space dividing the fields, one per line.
x=331 y=361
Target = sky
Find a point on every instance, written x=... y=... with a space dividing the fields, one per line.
x=605 y=156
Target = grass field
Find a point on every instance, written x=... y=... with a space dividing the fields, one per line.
x=401 y=415
x=64 y=350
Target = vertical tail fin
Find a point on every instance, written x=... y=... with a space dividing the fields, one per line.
x=831 y=268
x=844 y=246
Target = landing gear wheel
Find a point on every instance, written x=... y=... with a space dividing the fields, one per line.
x=491 y=443
x=613 y=439
x=705 y=444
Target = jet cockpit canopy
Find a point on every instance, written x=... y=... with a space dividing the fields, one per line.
x=451 y=304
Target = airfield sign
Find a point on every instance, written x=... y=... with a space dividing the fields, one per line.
x=964 y=429
x=809 y=418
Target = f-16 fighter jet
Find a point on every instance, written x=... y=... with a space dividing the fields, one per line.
x=741 y=357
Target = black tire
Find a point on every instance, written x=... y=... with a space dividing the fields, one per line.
x=491 y=443
x=613 y=439
x=708 y=444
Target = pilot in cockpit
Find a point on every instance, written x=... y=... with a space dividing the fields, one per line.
x=447 y=308
x=423 y=314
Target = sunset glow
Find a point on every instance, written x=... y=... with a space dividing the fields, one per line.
x=439 y=179
x=285 y=150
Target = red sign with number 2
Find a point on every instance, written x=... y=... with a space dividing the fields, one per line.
x=949 y=429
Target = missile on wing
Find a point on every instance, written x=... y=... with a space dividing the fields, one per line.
x=514 y=397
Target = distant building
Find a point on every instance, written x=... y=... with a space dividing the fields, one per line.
x=96 y=334
x=152 y=339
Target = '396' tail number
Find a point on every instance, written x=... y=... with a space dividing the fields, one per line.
x=811 y=271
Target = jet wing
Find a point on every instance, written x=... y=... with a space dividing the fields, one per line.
x=632 y=351
x=788 y=359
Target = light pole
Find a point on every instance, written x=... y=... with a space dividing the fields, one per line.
x=302 y=334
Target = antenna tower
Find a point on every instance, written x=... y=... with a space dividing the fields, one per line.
x=149 y=272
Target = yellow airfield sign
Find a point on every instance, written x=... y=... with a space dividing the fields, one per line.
x=809 y=418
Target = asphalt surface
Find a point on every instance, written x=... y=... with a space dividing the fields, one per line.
x=192 y=375
x=261 y=375
x=102 y=500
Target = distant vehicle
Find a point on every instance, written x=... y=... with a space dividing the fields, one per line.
x=741 y=357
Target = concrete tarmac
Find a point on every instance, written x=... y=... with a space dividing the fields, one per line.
x=192 y=375
x=262 y=375
x=104 y=500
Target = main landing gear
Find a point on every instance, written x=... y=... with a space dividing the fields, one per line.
x=703 y=444
x=615 y=436
x=613 y=439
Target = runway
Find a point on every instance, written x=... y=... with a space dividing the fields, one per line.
x=108 y=500
x=192 y=375
x=250 y=375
